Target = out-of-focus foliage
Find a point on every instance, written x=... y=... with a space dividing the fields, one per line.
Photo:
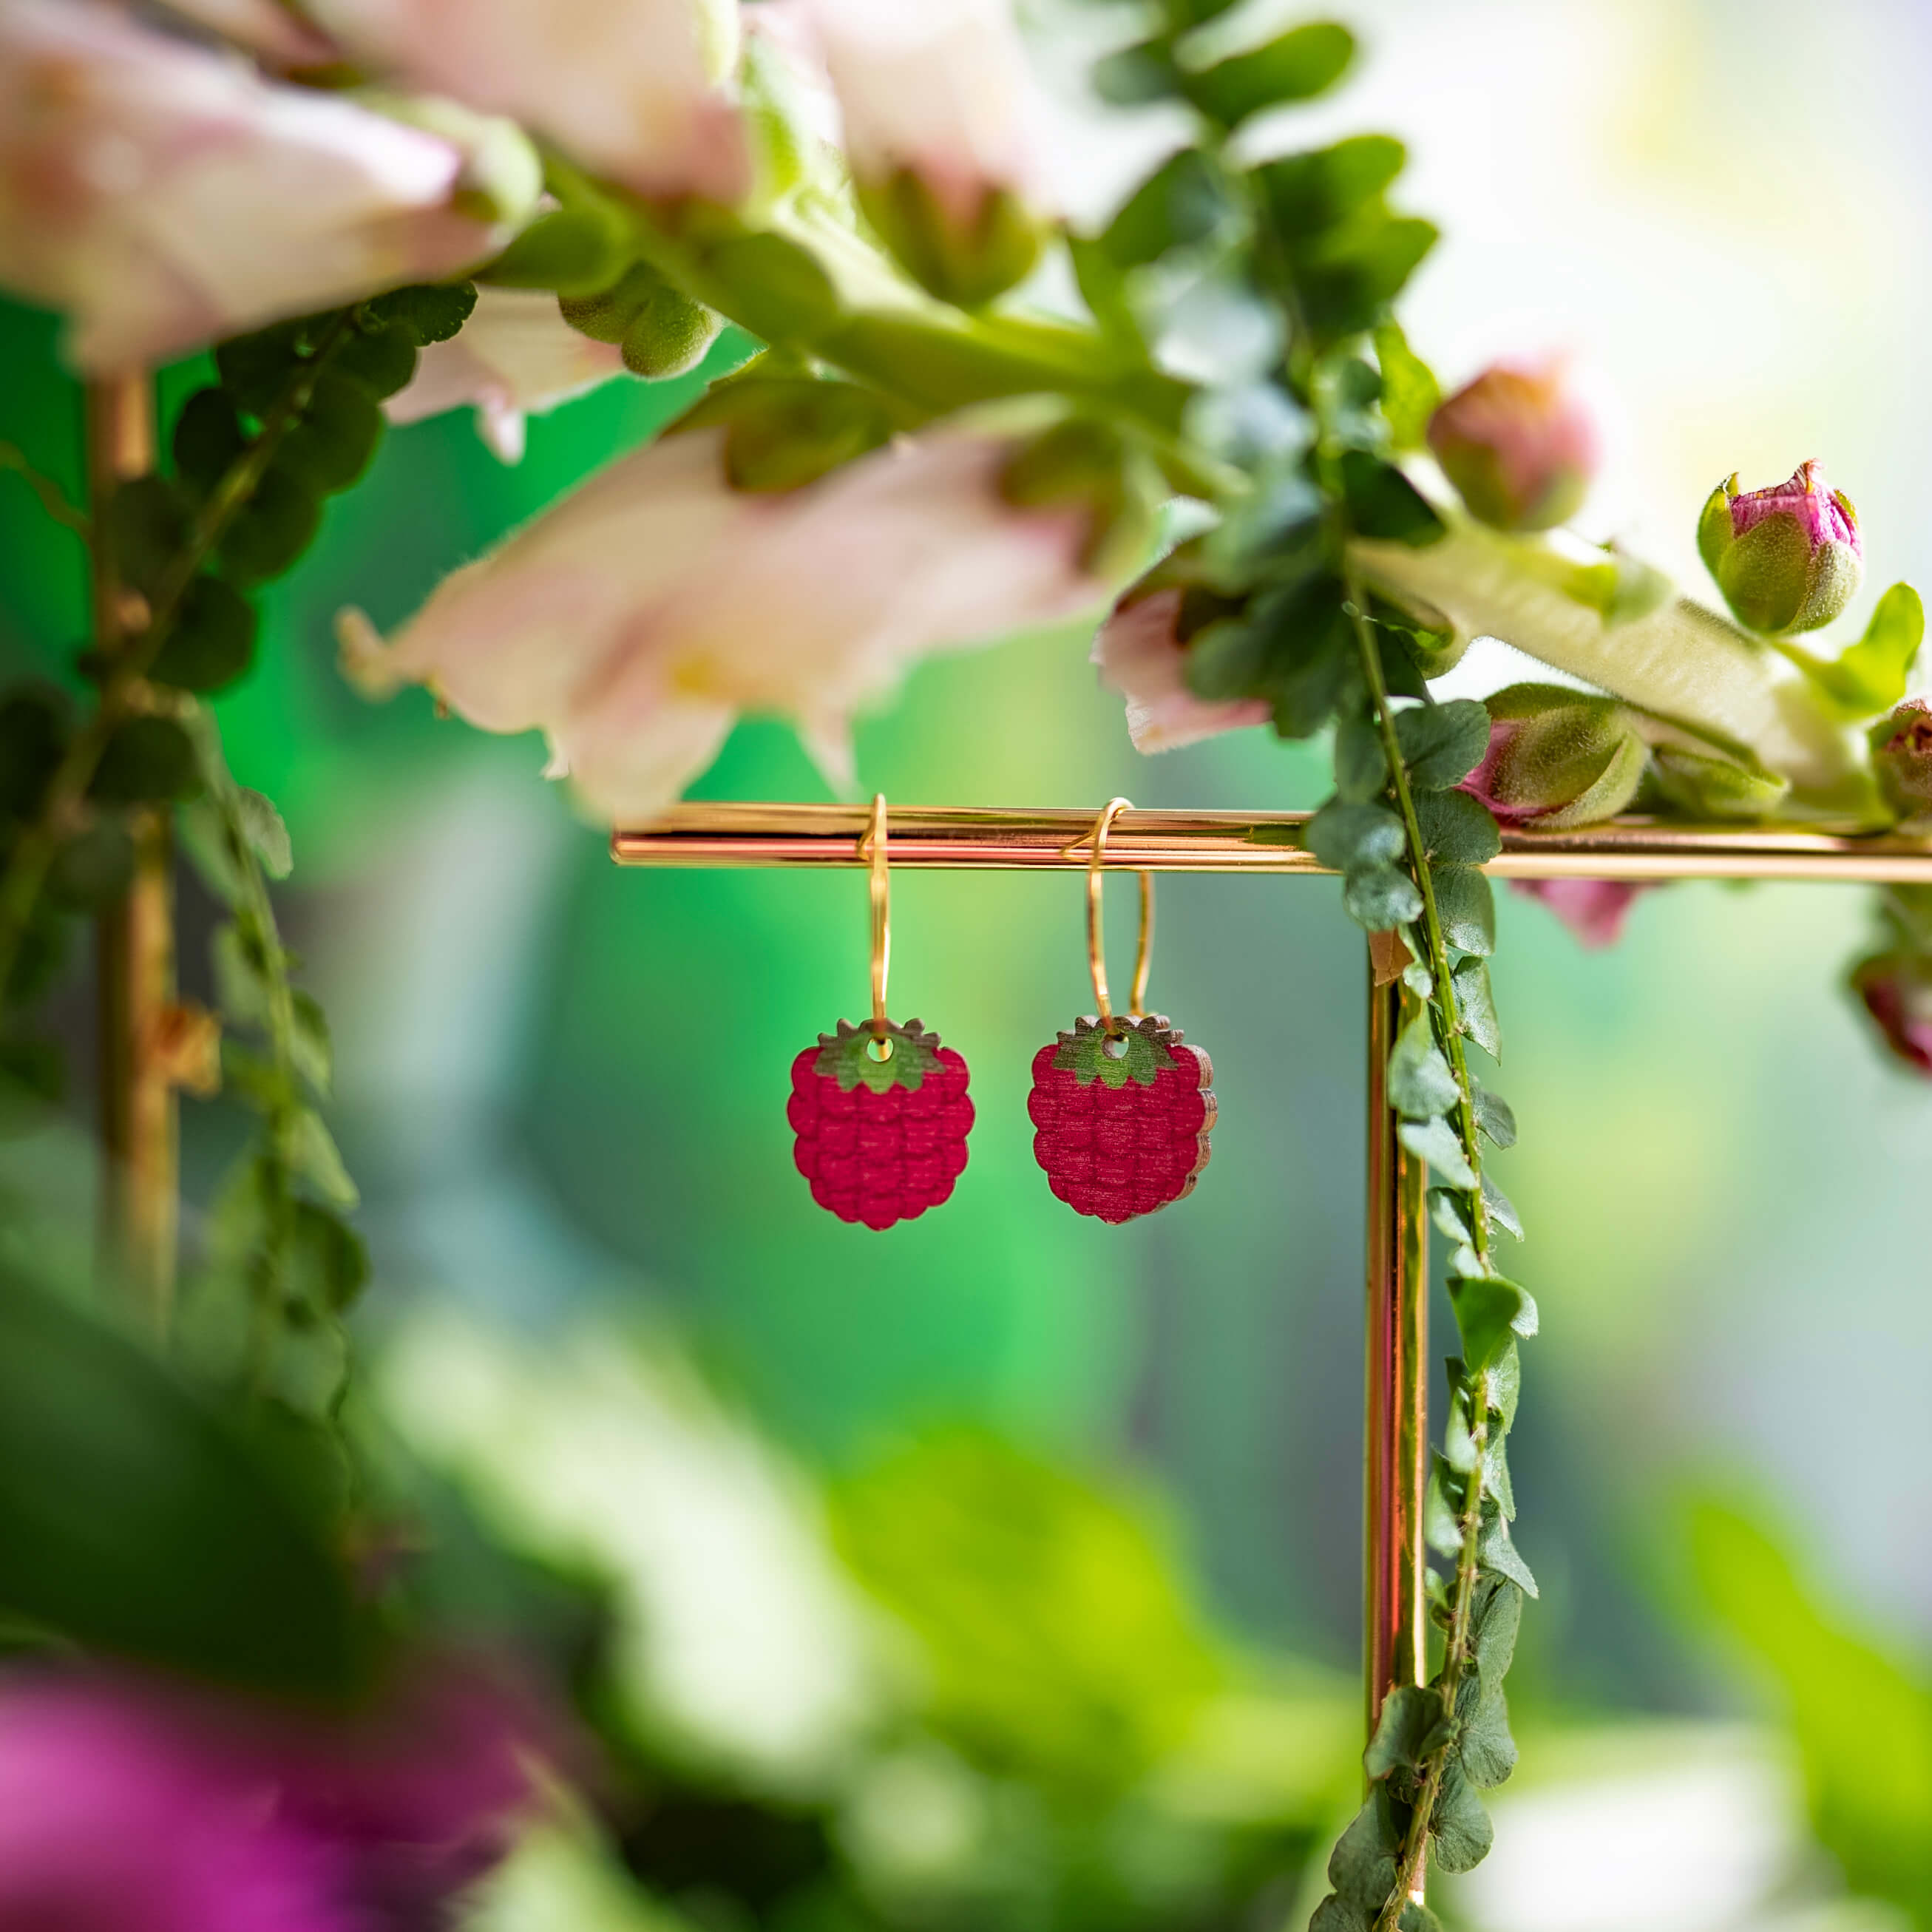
x=1862 y=1718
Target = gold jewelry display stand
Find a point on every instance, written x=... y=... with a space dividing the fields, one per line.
x=1396 y=1450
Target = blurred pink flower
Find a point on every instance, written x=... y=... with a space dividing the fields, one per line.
x=633 y=621
x=1141 y=654
x=1595 y=910
x=269 y=30
x=164 y=194
x=941 y=128
x=636 y=89
x=1897 y=990
x=132 y=1806
x=1519 y=443
x=515 y=357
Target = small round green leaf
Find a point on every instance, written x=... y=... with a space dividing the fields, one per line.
x=331 y=444
x=272 y=530
x=147 y=761
x=208 y=439
x=92 y=868
x=211 y=640
x=382 y=360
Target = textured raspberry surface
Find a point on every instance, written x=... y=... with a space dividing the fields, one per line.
x=880 y=1156
x=1116 y=1146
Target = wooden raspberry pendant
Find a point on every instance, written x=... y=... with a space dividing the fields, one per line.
x=1123 y=1119
x=880 y=1140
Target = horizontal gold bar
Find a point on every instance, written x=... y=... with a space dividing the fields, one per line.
x=939 y=838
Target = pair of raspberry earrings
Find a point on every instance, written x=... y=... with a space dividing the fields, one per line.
x=1121 y=1108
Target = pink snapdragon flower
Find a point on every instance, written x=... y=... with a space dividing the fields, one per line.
x=516 y=357
x=1595 y=910
x=131 y=1805
x=1141 y=654
x=636 y=619
x=164 y=194
x=1897 y=990
x=639 y=90
x=1520 y=444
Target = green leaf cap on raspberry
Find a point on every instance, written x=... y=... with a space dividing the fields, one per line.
x=846 y=1056
x=1114 y=1054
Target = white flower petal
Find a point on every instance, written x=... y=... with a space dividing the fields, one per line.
x=165 y=194
x=516 y=356
x=635 y=88
x=1140 y=656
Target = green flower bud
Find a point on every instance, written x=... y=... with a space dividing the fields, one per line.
x=662 y=331
x=1787 y=558
x=1557 y=758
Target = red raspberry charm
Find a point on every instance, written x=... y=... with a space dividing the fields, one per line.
x=1123 y=1116
x=880 y=1140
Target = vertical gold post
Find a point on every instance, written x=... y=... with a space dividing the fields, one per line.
x=1397 y=1418
x=134 y=938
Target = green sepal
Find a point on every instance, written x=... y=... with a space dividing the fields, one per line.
x=845 y=1056
x=1143 y=1044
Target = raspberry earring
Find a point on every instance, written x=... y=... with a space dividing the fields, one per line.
x=1121 y=1107
x=879 y=1112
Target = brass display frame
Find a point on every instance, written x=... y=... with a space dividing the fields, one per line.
x=973 y=837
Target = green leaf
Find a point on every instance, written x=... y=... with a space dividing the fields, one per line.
x=1307 y=193
x=1496 y=1614
x=1476 y=1006
x=1380 y=898
x=93 y=868
x=36 y=720
x=241 y=976
x=1418 y=1918
x=1382 y=502
x=1486 y=1307
x=211 y=641
x=1458 y=1441
x=328 y=1264
x=1445 y=1211
x=1181 y=203
x=382 y=360
x=1871 y=677
x=1456 y=829
x=1345 y=838
x=1226 y=660
x=271 y=530
x=1409 y=1713
x=137 y=1522
x=1347 y=277
x=1501 y=1209
x=1440 y=1529
x=1435 y=1142
x=1361 y=768
x=147 y=760
x=1410 y=392
x=1497 y=1552
x=1362 y=1866
x=208 y=440
x=427 y=311
x=314 y=1156
x=147 y=522
x=1493 y=1116
x=1467 y=908
x=256 y=369
x=1298 y=65
x=1505 y=1386
x=1441 y=744
x=1310 y=643
x=1496 y=1480
x=262 y=825
x=1131 y=77
x=1420 y=1085
x=1486 y=1749
x=1459 y=1826
x=309 y=1046
x=331 y=444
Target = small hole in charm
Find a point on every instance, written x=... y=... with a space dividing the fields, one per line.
x=1114 y=1046
x=879 y=1049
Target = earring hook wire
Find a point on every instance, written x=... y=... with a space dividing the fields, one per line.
x=1096 y=841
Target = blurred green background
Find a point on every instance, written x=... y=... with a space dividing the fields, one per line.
x=562 y=1086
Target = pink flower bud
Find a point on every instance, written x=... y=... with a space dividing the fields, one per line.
x=1902 y=754
x=1141 y=651
x=1897 y=990
x=1519 y=446
x=1557 y=758
x=1787 y=558
x=1595 y=910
